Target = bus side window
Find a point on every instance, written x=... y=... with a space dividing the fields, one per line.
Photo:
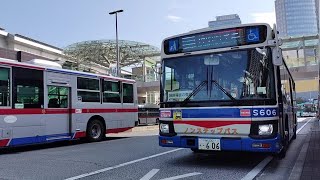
x=283 y=93
x=58 y=97
x=111 y=92
x=27 y=88
x=88 y=89
x=4 y=86
x=127 y=93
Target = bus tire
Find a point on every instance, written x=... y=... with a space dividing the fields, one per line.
x=95 y=130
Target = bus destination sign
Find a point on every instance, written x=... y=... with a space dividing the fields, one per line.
x=216 y=39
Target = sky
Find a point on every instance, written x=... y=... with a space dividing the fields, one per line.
x=64 y=22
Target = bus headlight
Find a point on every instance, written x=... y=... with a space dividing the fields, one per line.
x=164 y=128
x=265 y=129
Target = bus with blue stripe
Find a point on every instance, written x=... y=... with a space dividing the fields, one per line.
x=226 y=90
x=41 y=103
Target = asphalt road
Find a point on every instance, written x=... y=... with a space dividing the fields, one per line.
x=137 y=157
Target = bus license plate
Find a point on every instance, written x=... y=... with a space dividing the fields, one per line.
x=209 y=144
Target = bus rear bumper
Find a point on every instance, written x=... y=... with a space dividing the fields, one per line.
x=272 y=145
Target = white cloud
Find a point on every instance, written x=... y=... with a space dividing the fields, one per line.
x=174 y=18
x=269 y=17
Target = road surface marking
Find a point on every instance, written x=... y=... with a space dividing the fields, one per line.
x=256 y=170
x=304 y=125
x=150 y=174
x=182 y=176
x=121 y=165
x=153 y=172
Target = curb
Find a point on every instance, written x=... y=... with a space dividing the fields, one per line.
x=298 y=166
x=145 y=128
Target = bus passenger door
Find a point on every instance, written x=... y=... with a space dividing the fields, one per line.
x=58 y=114
x=129 y=105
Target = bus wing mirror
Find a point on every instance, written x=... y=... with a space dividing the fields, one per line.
x=276 y=52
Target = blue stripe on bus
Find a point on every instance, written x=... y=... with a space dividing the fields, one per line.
x=71 y=73
x=39 y=139
x=227 y=112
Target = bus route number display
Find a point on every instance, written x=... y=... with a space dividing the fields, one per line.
x=216 y=39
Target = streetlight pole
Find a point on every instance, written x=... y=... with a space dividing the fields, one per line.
x=117 y=43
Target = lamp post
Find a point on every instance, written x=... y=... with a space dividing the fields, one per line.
x=117 y=45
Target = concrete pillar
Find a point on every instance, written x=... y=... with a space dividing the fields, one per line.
x=144 y=70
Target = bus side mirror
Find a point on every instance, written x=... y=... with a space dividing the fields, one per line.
x=276 y=52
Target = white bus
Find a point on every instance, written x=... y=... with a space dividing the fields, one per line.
x=41 y=104
x=148 y=114
x=227 y=90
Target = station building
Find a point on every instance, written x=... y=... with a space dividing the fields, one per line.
x=138 y=60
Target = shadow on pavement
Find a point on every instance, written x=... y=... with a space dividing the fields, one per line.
x=219 y=159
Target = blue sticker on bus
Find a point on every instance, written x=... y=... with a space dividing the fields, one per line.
x=173 y=45
x=253 y=34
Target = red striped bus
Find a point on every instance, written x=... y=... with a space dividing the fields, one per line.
x=41 y=104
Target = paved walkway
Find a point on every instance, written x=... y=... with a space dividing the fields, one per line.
x=151 y=130
x=311 y=167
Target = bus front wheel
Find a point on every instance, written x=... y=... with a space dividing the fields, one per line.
x=95 y=131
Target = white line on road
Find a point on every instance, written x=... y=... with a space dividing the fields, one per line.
x=121 y=165
x=153 y=172
x=150 y=174
x=256 y=170
x=182 y=176
x=303 y=125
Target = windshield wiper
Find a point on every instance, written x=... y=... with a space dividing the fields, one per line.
x=223 y=90
x=194 y=92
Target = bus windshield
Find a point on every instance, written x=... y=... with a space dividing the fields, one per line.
x=243 y=74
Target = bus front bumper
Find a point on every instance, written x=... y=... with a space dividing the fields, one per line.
x=272 y=145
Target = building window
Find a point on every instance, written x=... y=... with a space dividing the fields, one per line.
x=27 y=88
x=111 y=92
x=127 y=93
x=4 y=86
x=88 y=90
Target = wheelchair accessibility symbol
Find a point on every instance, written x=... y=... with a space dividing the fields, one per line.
x=253 y=35
x=173 y=45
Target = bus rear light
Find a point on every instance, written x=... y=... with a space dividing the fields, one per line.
x=261 y=145
x=163 y=141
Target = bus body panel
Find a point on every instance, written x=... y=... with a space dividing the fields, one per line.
x=148 y=114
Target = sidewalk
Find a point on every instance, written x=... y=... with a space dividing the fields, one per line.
x=311 y=167
x=151 y=130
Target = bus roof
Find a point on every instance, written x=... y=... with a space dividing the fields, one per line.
x=10 y=62
x=210 y=29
